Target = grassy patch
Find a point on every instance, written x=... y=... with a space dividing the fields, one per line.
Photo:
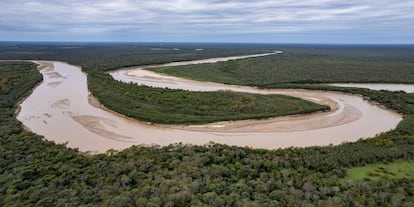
x=168 y=106
x=394 y=170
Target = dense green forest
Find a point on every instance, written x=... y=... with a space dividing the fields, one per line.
x=158 y=105
x=299 y=66
x=106 y=56
x=16 y=80
x=35 y=172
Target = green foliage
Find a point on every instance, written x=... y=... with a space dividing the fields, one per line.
x=407 y=125
x=399 y=169
x=16 y=79
x=168 y=106
x=311 y=65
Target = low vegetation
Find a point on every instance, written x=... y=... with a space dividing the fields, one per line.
x=158 y=105
x=401 y=169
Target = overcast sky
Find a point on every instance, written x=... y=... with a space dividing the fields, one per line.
x=274 y=21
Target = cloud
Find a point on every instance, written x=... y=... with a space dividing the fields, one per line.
x=204 y=17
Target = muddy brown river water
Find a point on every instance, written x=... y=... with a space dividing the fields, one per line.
x=409 y=88
x=61 y=109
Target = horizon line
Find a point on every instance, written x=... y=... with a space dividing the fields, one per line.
x=197 y=42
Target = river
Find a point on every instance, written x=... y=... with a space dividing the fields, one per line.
x=62 y=110
x=409 y=88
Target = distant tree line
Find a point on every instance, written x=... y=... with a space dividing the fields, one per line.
x=300 y=67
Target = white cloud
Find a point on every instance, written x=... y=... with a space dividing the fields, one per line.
x=205 y=16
